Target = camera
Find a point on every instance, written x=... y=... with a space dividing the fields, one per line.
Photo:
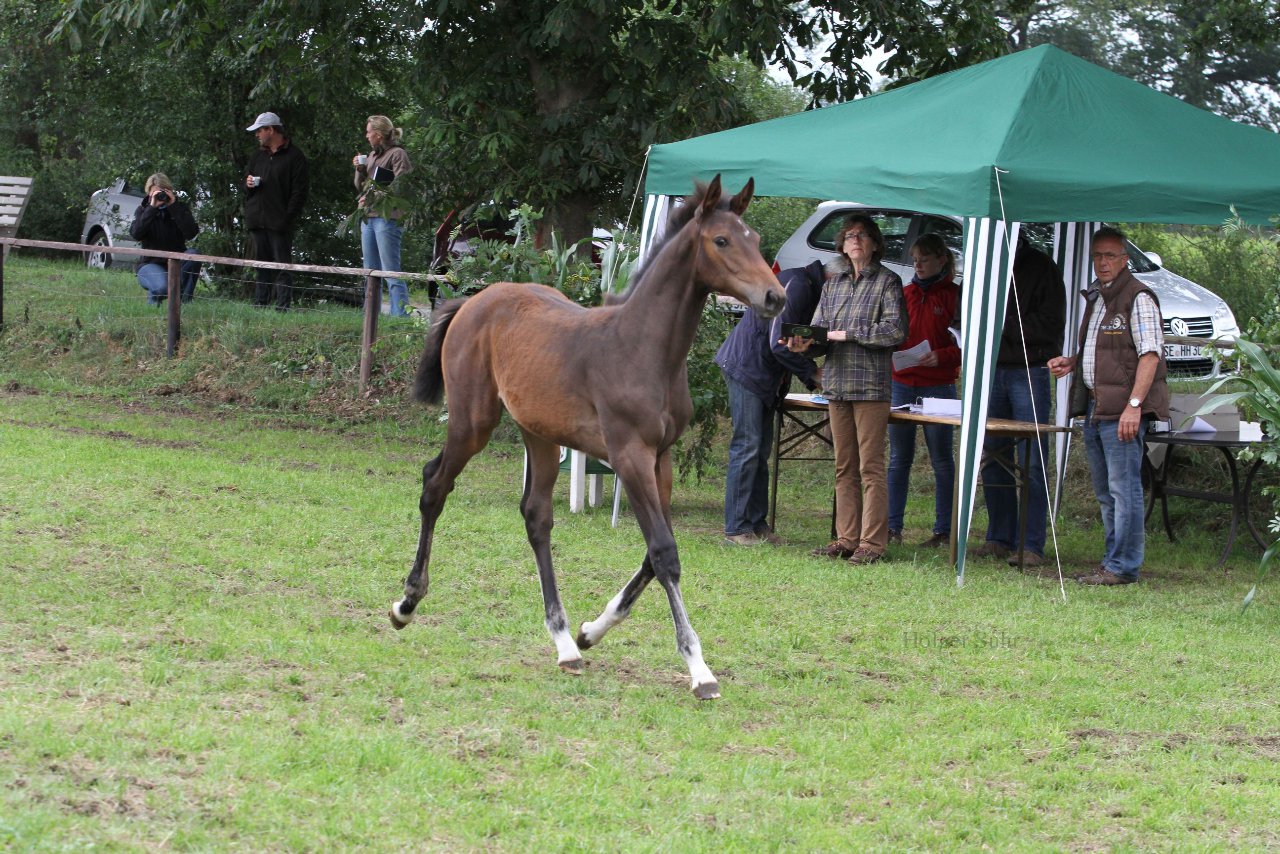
x=161 y=197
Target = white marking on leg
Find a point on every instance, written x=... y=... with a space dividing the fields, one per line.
x=594 y=630
x=403 y=618
x=699 y=673
x=566 y=649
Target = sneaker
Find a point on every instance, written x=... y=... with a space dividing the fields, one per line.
x=1103 y=577
x=766 y=535
x=747 y=539
x=862 y=557
x=1029 y=560
x=990 y=549
x=895 y=537
x=836 y=550
x=937 y=541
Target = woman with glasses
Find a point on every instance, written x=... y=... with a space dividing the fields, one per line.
x=865 y=317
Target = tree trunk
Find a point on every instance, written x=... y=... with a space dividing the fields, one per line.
x=571 y=218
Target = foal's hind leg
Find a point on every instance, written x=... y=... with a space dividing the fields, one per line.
x=618 y=609
x=540 y=477
x=468 y=433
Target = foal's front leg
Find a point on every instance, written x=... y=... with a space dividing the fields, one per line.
x=541 y=469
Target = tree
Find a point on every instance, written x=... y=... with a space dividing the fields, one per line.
x=1221 y=55
x=561 y=98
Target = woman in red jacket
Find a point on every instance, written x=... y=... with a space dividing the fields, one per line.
x=933 y=303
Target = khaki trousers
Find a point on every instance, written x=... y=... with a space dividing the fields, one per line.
x=858 y=431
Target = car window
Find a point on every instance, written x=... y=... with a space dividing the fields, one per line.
x=1138 y=261
x=894 y=226
x=948 y=230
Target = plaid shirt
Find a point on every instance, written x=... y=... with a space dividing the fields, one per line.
x=1145 y=326
x=871 y=309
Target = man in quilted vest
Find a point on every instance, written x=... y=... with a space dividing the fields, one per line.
x=1119 y=386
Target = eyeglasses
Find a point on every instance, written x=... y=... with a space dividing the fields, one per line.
x=856 y=235
x=1109 y=256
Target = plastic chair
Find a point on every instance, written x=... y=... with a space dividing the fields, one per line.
x=591 y=471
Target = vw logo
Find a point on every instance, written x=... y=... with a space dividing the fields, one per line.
x=1178 y=326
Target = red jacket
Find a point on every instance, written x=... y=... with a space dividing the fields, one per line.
x=930 y=314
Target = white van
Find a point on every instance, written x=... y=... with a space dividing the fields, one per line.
x=1188 y=308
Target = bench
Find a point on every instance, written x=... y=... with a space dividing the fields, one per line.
x=14 y=195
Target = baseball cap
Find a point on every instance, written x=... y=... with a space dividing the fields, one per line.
x=265 y=120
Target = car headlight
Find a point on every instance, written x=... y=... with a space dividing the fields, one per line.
x=1224 y=323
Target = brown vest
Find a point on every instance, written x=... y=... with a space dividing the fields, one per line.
x=1115 y=357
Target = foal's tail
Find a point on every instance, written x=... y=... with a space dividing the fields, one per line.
x=428 y=383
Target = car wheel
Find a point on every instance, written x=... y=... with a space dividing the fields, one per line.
x=98 y=260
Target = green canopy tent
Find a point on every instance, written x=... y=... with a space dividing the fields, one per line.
x=1032 y=137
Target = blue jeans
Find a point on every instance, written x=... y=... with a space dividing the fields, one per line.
x=1012 y=397
x=1116 y=470
x=154 y=278
x=380 y=239
x=746 y=486
x=902 y=453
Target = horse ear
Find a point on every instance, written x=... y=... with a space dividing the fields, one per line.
x=739 y=203
x=712 y=196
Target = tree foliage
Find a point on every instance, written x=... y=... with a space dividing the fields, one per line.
x=1221 y=55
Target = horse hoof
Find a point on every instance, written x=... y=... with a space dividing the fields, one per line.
x=582 y=640
x=707 y=691
x=573 y=667
x=398 y=620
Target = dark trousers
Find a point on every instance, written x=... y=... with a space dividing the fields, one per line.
x=272 y=245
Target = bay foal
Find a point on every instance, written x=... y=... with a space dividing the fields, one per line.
x=609 y=381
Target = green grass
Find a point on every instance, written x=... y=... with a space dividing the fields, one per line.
x=194 y=655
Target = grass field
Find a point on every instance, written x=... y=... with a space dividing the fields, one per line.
x=194 y=655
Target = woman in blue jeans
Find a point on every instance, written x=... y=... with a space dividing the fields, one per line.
x=378 y=178
x=164 y=222
x=933 y=302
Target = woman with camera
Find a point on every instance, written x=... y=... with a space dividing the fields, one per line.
x=164 y=223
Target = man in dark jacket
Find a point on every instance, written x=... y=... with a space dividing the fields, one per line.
x=276 y=185
x=1033 y=326
x=758 y=369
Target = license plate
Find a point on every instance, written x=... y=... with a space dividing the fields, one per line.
x=1182 y=351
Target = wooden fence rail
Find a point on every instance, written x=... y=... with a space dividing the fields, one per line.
x=372 y=286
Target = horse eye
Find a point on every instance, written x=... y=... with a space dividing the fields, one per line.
x=722 y=242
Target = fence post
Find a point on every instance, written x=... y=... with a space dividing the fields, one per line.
x=175 y=306
x=372 y=308
x=4 y=253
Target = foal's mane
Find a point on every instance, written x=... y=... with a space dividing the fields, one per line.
x=677 y=218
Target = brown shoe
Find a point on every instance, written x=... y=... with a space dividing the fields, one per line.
x=862 y=557
x=1103 y=577
x=895 y=537
x=766 y=535
x=836 y=550
x=990 y=549
x=1029 y=559
x=937 y=541
x=742 y=540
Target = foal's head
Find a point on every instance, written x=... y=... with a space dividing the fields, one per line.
x=729 y=260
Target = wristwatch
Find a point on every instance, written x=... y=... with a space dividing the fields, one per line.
x=1135 y=402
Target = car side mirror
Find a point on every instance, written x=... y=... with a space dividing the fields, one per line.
x=1155 y=258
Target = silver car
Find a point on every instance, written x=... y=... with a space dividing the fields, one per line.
x=1189 y=309
x=107 y=224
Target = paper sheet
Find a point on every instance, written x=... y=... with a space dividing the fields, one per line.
x=910 y=357
x=1198 y=425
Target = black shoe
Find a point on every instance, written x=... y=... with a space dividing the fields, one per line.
x=937 y=541
x=895 y=537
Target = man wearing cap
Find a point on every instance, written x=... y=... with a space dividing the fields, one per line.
x=276 y=185
x=1119 y=386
